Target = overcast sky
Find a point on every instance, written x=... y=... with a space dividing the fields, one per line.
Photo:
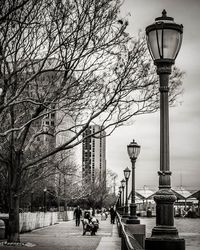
x=184 y=119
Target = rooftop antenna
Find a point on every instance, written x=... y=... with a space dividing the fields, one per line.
x=181 y=179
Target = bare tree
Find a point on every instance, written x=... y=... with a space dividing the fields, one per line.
x=74 y=61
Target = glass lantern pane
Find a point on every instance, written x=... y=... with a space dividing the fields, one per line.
x=171 y=43
x=133 y=151
x=127 y=173
x=137 y=152
x=129 y=151
x=123 y=182
x=153 y=45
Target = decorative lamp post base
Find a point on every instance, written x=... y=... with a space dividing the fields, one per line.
x=125 y=214
x=132 y=220
x=164 y=234
x=159 y=243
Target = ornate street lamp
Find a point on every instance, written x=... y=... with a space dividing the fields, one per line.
x=133 y=151
x=120 y=195
x=127 y=172
x=164 y=39
x=117 y=203
x=123 y=183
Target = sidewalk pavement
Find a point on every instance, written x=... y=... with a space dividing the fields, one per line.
x=66 y=236
x=112 y=242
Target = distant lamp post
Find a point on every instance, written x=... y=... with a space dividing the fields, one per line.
x=120 y=199
x=45 y=199
x=164 y=39
x=123 y=183
x=117 y=202
x=133 y=151
x=127 y=172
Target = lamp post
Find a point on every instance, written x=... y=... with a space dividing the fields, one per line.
x=123 y=182
x=127 y=172
x=45 y=199
x=118 y=202
x=133 y=151
x=164 y=39
x=120 y=199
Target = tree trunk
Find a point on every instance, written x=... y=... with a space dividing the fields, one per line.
x=14 y=184
x=13 y=231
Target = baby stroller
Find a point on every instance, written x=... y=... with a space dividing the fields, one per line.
x=90 y=224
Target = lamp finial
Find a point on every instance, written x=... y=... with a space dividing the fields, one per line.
x=164 y=13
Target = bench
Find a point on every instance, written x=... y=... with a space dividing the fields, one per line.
x=91 y=227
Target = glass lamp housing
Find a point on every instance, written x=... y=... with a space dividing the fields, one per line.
x=133 y=150
x=127 y=172
x=123 y=183
x=164 y=38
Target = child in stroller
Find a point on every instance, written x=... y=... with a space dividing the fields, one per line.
x=90 y=223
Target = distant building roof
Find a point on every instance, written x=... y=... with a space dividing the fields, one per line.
x=196 y=195
x=181 y=193
x=143 y=193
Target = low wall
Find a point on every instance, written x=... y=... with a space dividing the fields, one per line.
x=70 y=215
x=30 y=221
x=65 y=215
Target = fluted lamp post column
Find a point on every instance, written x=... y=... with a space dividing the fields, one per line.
x=127 y=172
x=133 y=151
x=123 y=183
x=164 y=39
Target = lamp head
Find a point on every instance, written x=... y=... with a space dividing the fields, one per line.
x=123 y=183
x=133 y=150
x=164 y=38
x=127 y=173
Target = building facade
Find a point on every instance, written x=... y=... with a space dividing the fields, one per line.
x=94 y=155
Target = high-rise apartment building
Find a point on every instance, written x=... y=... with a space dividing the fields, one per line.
x=94 y=155
x=53 y=128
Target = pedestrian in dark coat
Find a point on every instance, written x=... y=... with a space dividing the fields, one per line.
x=112 y=215
x=78 y=214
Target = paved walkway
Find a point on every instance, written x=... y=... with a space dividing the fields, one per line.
x=66 y=236
x=112 y=242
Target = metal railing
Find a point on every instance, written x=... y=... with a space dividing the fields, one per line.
x=128 y=241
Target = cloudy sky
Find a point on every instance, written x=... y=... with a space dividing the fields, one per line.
x=184 y=119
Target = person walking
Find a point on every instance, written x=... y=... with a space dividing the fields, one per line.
x=112 y=215
x=77 y=214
